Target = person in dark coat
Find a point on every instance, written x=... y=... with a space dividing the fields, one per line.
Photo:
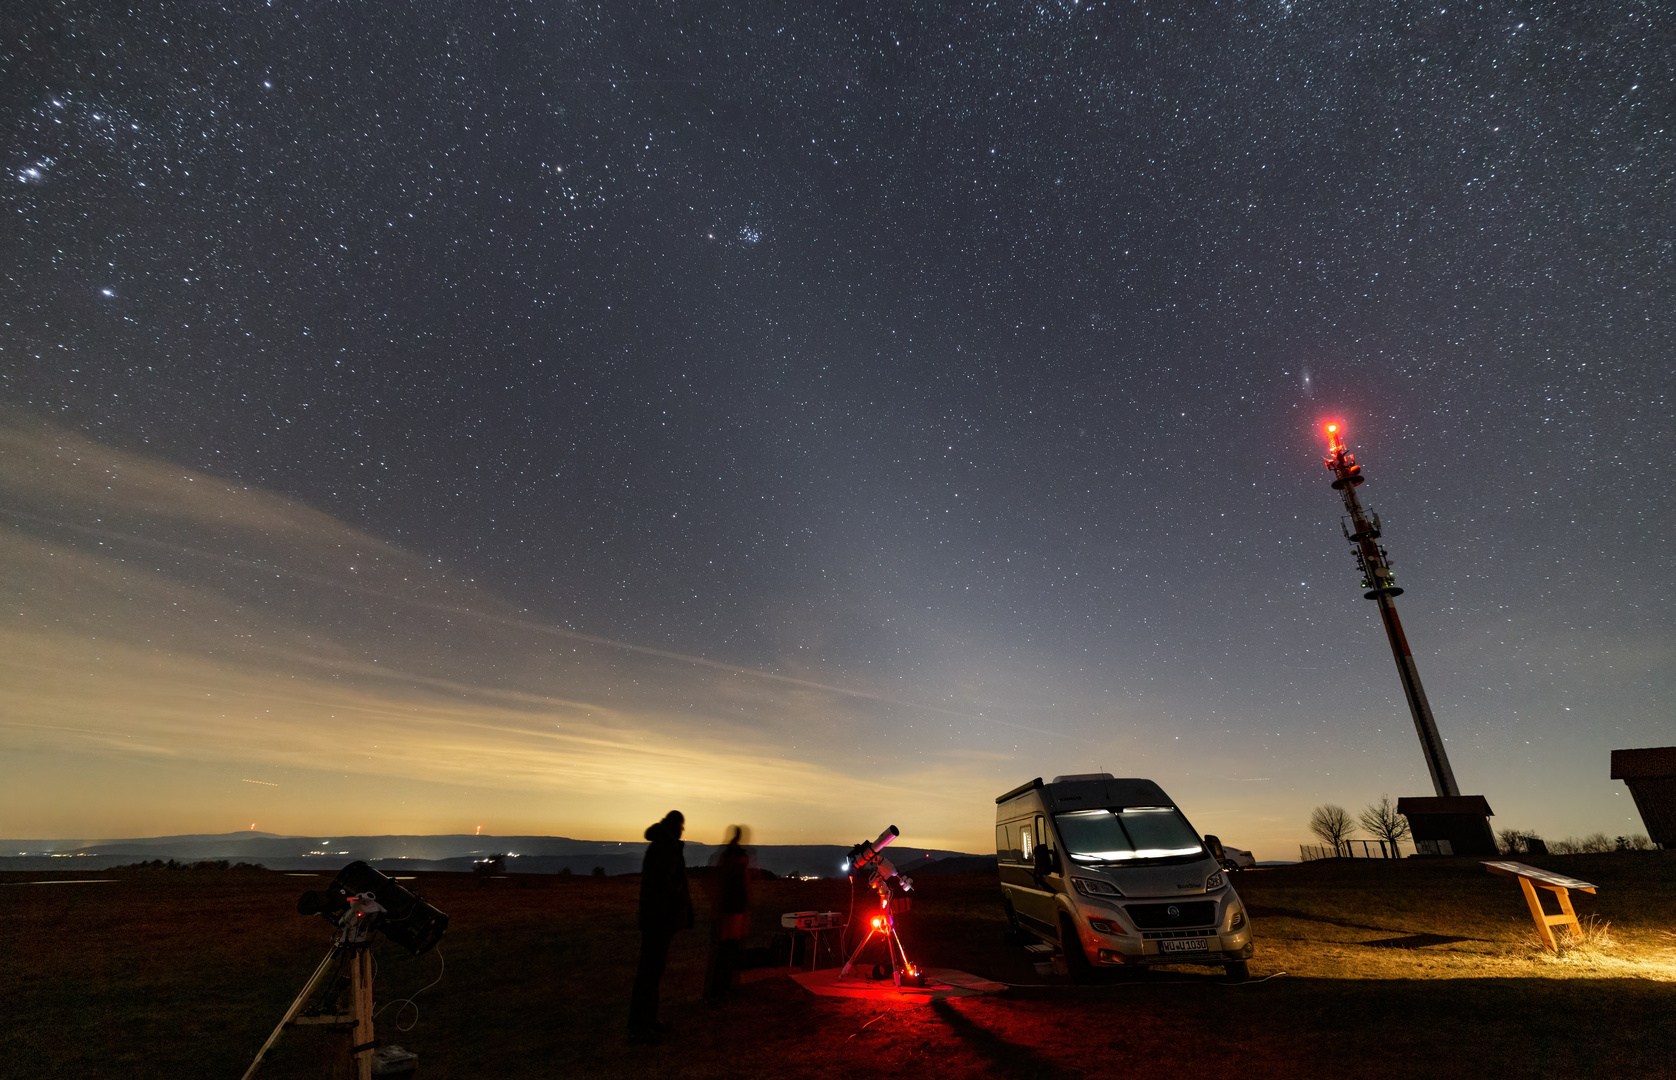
x=730 y=887
x=665 y=907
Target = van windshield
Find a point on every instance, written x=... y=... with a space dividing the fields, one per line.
x=1134 y=832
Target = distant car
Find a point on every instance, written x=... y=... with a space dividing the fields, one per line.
x=1237 y=859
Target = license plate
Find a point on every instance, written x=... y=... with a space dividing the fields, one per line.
x=1182 y=945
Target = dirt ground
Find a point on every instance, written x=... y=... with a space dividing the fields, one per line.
x=1422 y=968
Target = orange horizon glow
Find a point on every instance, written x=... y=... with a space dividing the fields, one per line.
x=173 y=634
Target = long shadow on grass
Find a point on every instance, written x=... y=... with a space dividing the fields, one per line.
x=1260 y=912
x=1005 y=1058
x=1413 y=941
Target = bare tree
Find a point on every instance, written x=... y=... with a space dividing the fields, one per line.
x=1383 y=822
x=1332 y=824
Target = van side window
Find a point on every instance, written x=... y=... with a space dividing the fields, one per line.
x=1042 y=834
x=1026 y=842
x=1003 y=849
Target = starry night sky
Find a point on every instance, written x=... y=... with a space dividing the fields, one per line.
x=538 y=415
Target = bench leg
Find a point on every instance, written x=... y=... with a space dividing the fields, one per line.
x=1539 y=916
x=1569 y=912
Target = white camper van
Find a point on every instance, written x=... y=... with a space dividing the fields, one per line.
x=1111 y=872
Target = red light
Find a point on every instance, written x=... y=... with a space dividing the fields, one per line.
x=877 y=922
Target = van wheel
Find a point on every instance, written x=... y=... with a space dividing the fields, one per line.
x=1076 y=961
x=1238 y=971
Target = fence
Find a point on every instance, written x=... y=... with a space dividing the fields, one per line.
x=1351 y=849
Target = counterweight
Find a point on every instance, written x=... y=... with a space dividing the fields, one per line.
x=1380 y=583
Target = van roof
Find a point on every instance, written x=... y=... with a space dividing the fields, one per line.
x=1081 y=794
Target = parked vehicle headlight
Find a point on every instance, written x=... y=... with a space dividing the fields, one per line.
x=1237 y=921
x=1214 y=881
x=1095 y=887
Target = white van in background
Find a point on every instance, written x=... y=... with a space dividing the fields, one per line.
x=1234 y=858
x=1111 y=872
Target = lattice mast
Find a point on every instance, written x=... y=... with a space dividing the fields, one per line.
x=1375 y=563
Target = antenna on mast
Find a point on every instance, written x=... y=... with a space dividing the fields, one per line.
x=1363 y=532
x=1449 y=823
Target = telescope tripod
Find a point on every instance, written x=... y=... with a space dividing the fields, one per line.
x=885 y=924
x=359 y=958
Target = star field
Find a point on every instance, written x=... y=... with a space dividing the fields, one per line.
x=970 y=357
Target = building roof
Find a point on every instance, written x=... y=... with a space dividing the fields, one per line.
x=1650 y=761
x=1410 y=805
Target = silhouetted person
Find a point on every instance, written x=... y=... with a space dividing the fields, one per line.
x=730 y=888
x=665 y=907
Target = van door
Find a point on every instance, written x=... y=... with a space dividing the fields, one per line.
x=1016 y=839
x=1033 y=899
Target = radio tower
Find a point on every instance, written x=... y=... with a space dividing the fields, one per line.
x=1381 y=586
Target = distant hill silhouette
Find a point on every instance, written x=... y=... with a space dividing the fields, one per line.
x=460 y=851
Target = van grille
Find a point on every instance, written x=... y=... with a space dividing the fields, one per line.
x=1158 y=917
x=1160 y=935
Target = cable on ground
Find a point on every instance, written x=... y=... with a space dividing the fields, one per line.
x=408 y=1002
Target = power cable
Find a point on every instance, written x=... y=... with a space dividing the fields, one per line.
x=408 y=1002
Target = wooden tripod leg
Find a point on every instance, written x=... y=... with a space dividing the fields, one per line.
x=361 y=991
x=296 y=1007
x=1540 y=917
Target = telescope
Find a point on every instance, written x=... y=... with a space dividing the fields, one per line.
x=892 y=887
x=406 y=918
x=359 y=903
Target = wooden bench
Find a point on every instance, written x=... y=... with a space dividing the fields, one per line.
x=1530 y=879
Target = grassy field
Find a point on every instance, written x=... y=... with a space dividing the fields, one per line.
x=1423 y=968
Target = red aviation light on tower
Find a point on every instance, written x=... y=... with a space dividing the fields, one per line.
x=1340 y=462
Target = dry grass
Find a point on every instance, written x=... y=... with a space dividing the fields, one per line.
x=1593 y=952
x=1392 y=970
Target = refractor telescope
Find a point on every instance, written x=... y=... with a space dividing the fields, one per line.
x=880 y=872
x=893 y=889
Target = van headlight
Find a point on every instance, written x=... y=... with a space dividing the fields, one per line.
x=1095 y=887
x=1214 y=881
x=1237 y=921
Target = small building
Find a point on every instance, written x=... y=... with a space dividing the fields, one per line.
x=1449 y=824
x=1650 y=774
